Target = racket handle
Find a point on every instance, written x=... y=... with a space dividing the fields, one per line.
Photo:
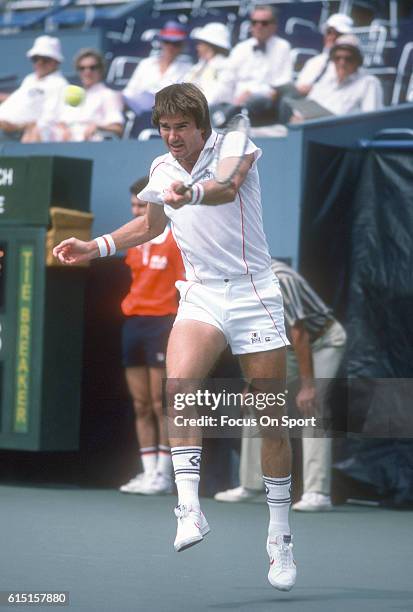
x=184 y=188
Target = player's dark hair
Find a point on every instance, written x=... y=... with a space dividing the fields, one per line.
x=139 y=184
x=183 y=99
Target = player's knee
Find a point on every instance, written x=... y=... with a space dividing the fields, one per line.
x=142 y=407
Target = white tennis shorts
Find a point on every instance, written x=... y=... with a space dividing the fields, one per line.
x=248 y=310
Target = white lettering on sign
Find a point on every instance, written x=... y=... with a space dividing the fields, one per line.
x=6 y=176
x=2 y=204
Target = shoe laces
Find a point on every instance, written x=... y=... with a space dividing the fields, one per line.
x=182 y=511
x=283 y=551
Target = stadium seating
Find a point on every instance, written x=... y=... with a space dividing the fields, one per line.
x=128 y=29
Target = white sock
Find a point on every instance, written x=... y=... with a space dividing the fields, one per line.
x=164 y=466
x=149 y=458
x=278 y=492
x=187 y=462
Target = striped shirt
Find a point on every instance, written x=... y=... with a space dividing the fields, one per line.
x=301 y=303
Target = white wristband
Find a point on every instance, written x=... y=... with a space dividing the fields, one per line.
x=198 y=193
x=106 y=245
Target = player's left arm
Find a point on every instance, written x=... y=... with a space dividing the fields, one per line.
x=214 y=193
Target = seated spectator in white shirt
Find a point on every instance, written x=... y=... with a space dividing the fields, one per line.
x=349 y=89
x=255 y=67
x=32 y=107
x=213 y=44
x=99 y=112
x=154 y=73
x=346 y=90
x=314 y=68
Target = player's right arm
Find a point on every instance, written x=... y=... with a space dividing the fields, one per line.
x=138 y=231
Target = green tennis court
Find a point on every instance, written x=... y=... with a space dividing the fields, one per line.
x=114 y=552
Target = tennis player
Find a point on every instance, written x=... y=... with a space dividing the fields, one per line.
x=230 y=297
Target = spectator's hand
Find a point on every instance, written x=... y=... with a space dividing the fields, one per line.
x=6 y=126
x=241 y=99
x=304 y=90
x=90 y=131
x=173 y=196
x=306 y=400
x=65 y=133
x=73 y=251
x=297 y=117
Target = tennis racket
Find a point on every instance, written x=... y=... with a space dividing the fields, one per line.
x=227 y=155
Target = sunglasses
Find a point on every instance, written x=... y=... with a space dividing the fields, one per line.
x=350 y=59
x=40 y=58
x=332 y=31
x=93 y=67
x=263 y=22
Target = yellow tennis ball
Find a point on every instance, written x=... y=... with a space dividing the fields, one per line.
x=74 y=95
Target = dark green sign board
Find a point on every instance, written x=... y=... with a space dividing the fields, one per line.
x=29 y=186
x=41 y=309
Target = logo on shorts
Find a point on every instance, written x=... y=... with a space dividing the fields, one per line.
x=255 y=337
x=160 y=356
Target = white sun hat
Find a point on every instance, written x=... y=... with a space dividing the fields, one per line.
x=213 y=33
x=46 y=46
x=343 y=24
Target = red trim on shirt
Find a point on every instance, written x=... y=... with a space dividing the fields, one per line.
x=157 y=165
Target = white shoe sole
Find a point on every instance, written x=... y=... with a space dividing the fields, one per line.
x=280 y=587
x=242 y=500
x=312 y=508
x=129 y=491
x=188 y=542
x=168 y=491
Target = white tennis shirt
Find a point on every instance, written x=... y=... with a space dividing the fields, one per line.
x=216 y=242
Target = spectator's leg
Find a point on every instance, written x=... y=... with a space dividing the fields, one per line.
x=261 y=110
x=327 y=355
x=285 y=110
x=222 y=113
x=250 y=472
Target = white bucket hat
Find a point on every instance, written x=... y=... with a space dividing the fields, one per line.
x=343 y=24
x=46 y=46
x=214 y=33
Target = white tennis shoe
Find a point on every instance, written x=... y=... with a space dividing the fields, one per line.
x=192 y=527
x=283 y=572
x=158 y=484
x=134 y=485
x=239 y=494
x=313 y=502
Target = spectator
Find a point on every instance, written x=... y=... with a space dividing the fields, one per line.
x=255 y=67
x=150 y=308
x=315 y=67
x=154 y=73
x=318 y=341
x=101 y=109
x=212 y=45
x=345 y=90
x=348 y=89
x=32 y=107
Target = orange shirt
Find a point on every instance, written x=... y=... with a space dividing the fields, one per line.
x=155 y=266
